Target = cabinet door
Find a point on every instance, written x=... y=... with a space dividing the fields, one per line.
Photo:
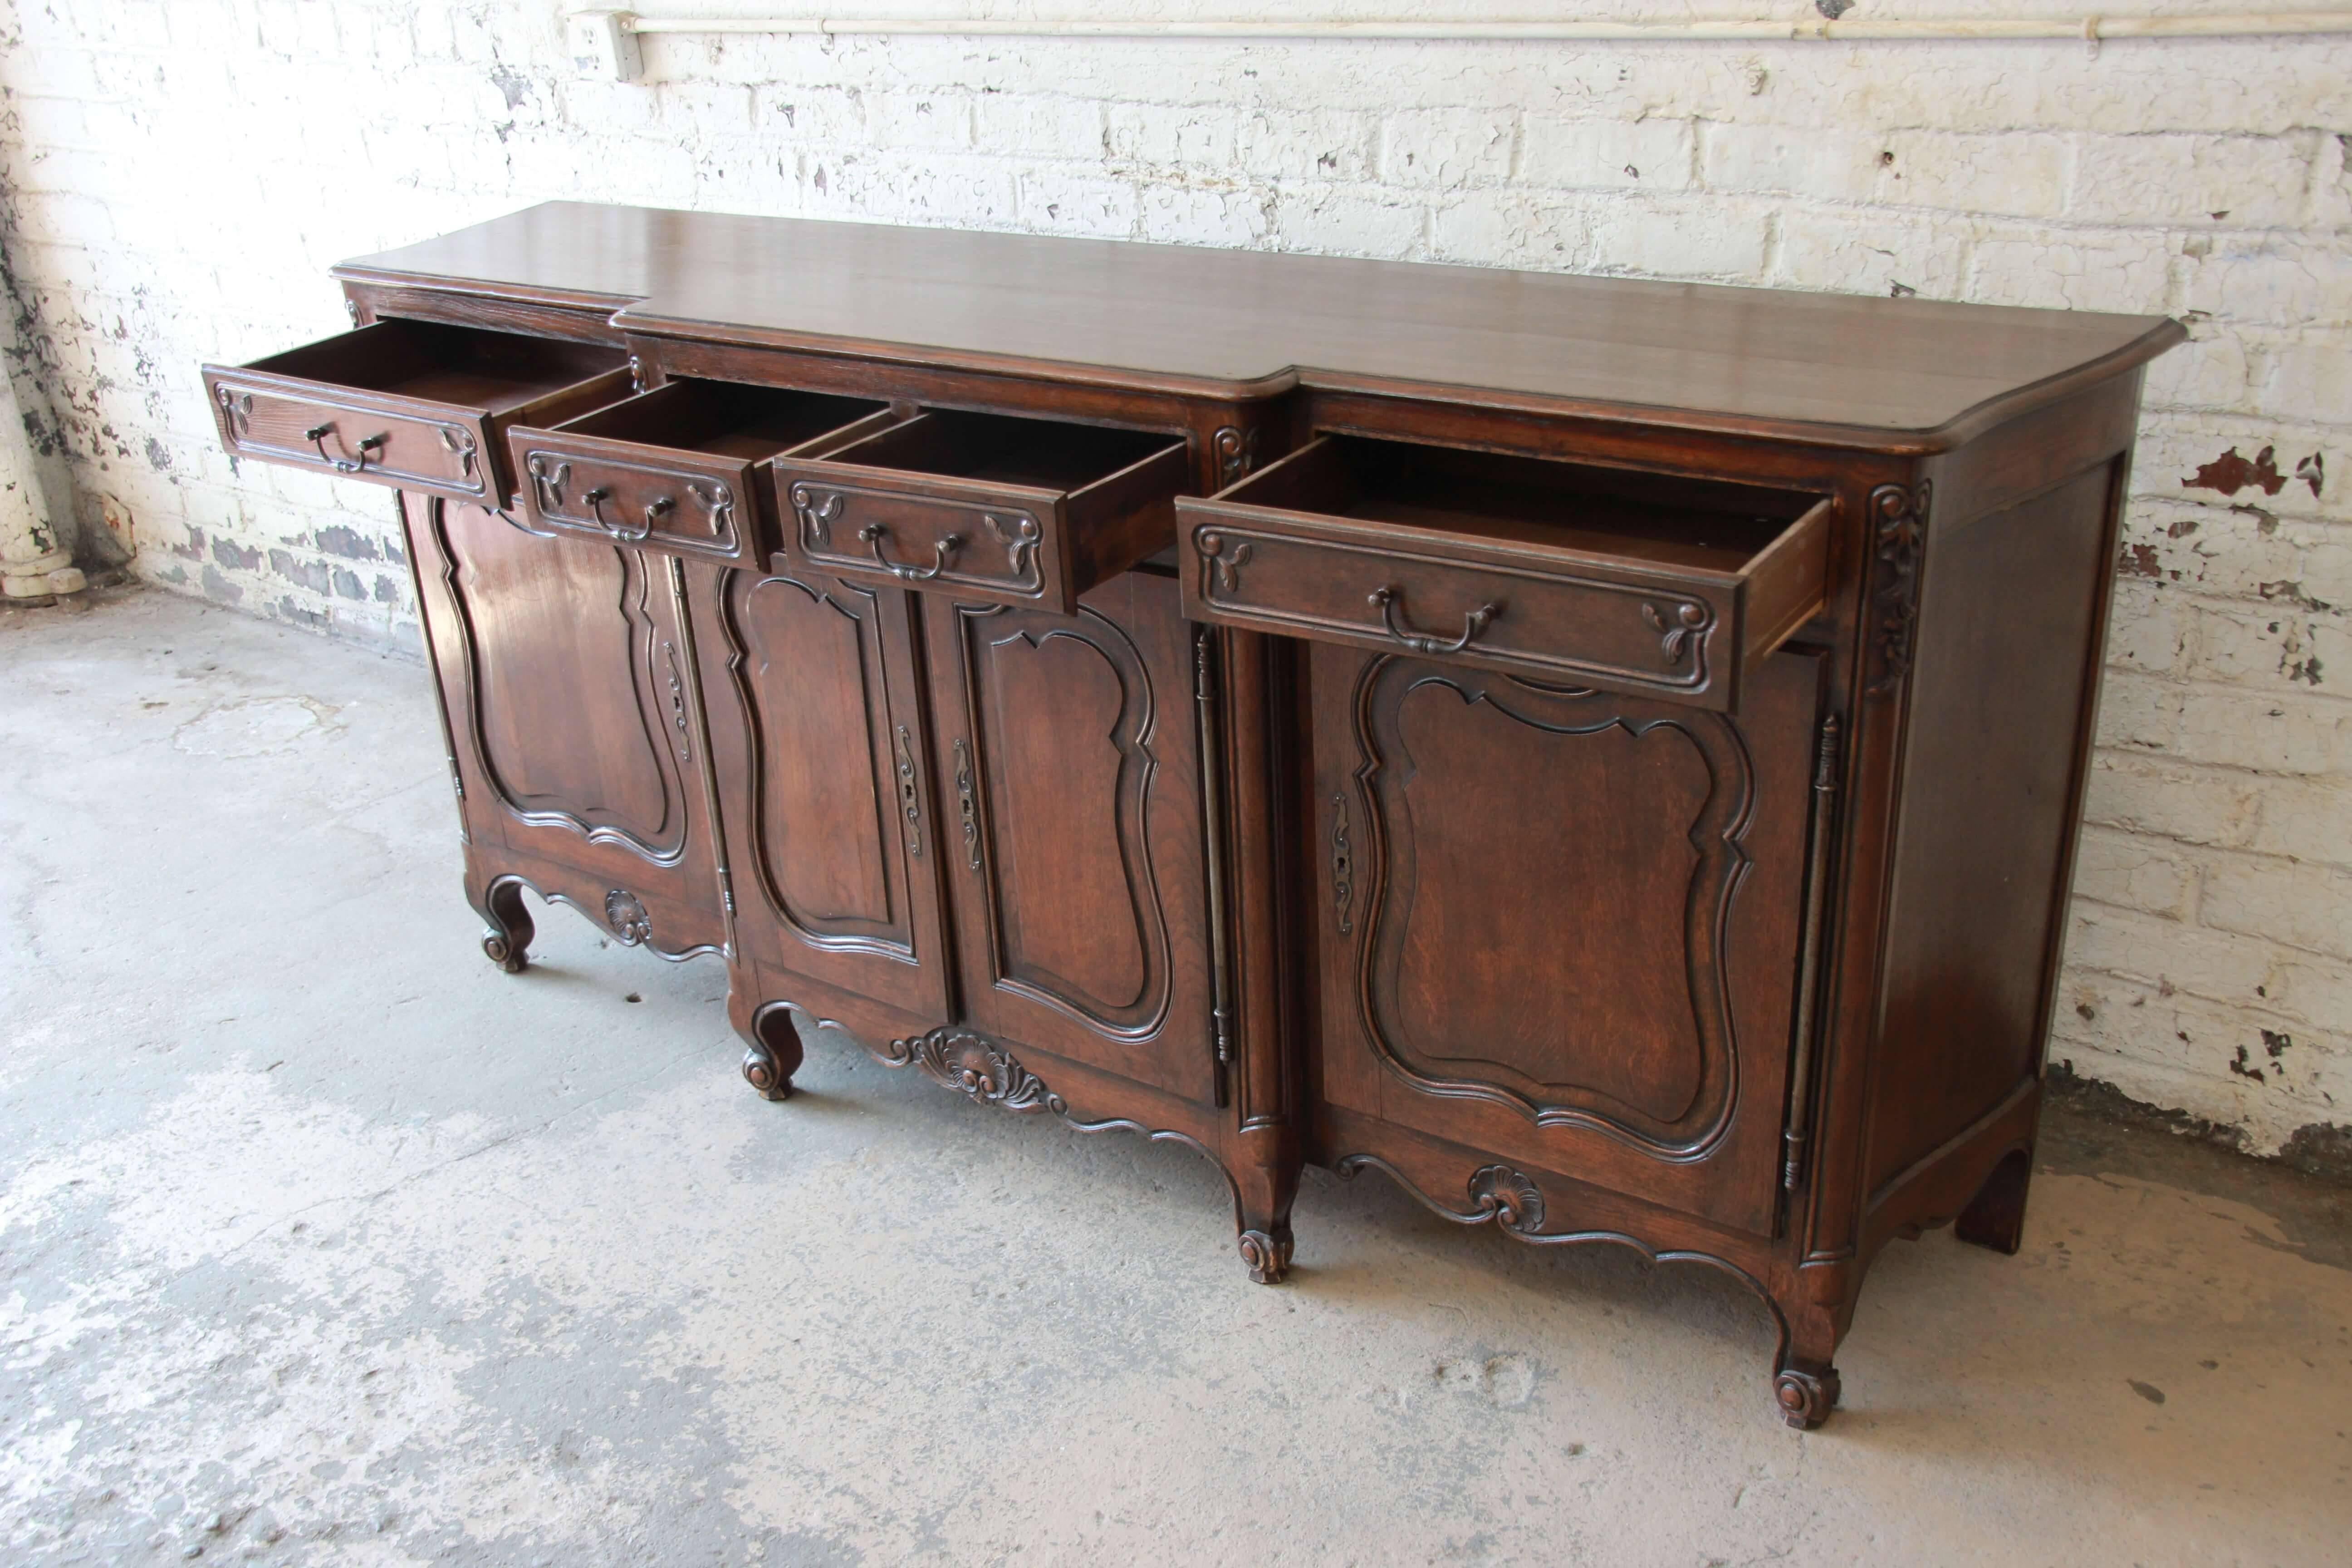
x=1561 y=925
x=565 y=685
x=833 y=846
x=1073 y=838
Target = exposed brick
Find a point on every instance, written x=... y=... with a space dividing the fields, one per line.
x=2220 y=966
x=1607 y=154
x=2309 y=907
x=2133 y=873
x=1447 y=149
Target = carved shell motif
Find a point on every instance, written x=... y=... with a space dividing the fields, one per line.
x=976 y=1066
x=1515 y=1201
x=627 y=917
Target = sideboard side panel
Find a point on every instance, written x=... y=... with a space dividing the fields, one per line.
x=2011 y=627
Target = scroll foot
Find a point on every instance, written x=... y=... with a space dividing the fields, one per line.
x=775 y=1052
x=1805 y=1395
x=507 y=940
x=1266 y=1252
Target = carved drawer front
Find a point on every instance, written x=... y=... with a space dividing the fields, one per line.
x=682 y=467
x=419 y=405
x=1575 y=574
x=1028 y=512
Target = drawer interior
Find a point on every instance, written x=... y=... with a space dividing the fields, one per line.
x=1004 y=449
x=1658 y=519
x=467 y=366
x=724 y=418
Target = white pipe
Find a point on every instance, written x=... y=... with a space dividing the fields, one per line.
x=2090 y=29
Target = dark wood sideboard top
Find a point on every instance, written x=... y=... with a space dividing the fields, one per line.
x=1891 y=375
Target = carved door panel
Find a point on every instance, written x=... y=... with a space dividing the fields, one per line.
x=1562 y=925
x=832 y=844
x=565 y=683
x=1072 y=836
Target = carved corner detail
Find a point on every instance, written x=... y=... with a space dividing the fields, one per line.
x=717 y=503
x=547 y=478
x=1688 y=620
x=1226 y=566
x=459 y=442
x=1236 y=453
x=237 y=408
x=817 y=512
x=1019 y=536
x=977 y=1067
x=1899 y=524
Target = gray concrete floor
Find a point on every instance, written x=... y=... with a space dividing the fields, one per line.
x=322 y=1241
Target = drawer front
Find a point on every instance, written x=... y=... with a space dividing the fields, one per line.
x=1005 y=547
x=693 y=508
x=1558 y=622
x=349 y=433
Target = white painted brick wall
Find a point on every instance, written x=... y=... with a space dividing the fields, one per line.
x=178 y=176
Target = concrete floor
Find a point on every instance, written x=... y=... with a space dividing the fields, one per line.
x=322 y=1241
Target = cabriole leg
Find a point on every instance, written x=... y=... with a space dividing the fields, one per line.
x=1262 y=1200
x=1805 y=1385
x=775 y=1051
x=507 y=941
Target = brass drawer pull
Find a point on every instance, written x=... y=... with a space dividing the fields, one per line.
x=1390 y=602
x=655 y=511
x=316 y=436
x=874 y=533
x=622 y=530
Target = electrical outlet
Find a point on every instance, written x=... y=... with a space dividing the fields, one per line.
x=603 y=45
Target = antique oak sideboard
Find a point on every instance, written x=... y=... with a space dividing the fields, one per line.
x=1604 y=754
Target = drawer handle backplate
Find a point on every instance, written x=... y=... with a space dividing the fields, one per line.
x=1390 y=602
x=874 y=533
x=316 y=436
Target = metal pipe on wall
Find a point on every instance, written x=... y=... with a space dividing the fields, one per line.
x=34 y=563
x=2089 y=28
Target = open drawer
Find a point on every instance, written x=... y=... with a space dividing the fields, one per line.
x=684 y=466
x=420 y=404
x=1557 y=571
x=988 y=506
